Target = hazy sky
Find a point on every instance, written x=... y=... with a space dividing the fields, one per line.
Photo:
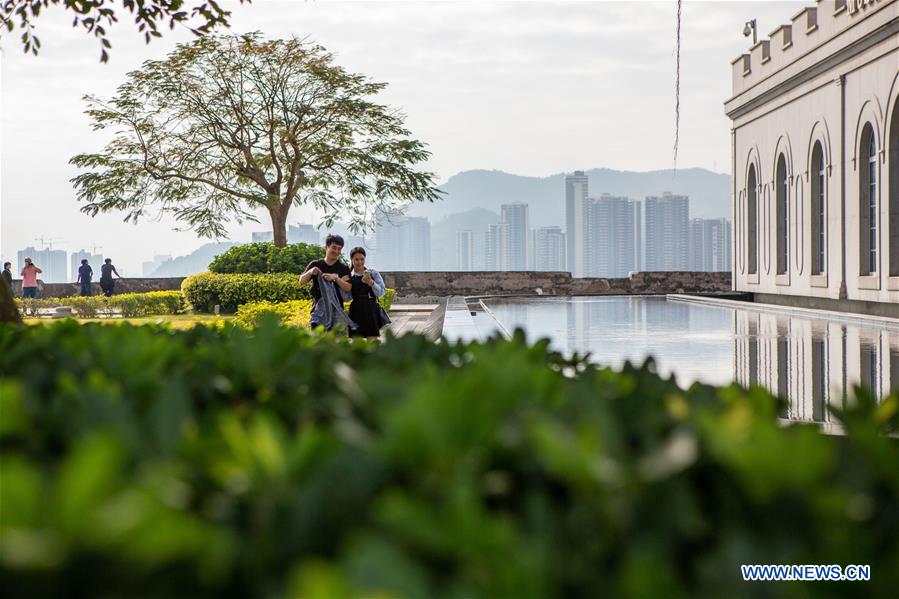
x=531 y=88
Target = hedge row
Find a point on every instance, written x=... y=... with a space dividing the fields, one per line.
x=206 y=290
x=137 y=461
x=125 y=305
x=258 y=258
x=294 y=313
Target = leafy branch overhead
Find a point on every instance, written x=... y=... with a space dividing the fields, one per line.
x=96 y=16
x=228 y=125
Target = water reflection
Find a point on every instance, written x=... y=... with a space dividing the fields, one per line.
x=807 y=361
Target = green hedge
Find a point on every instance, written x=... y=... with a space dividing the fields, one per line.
x=125 y=304
x=258 y=258
x=203 y=291
x=137 y=461
x=294 y=313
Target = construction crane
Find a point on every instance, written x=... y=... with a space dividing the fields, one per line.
x=47 y=242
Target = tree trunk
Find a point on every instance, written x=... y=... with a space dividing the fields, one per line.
x=279 y=226
x=8 y=310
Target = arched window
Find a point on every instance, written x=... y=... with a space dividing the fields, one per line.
x=819 y=204
x=752 y=234
x=894 y=191
x=868 y=202
x=781 y=194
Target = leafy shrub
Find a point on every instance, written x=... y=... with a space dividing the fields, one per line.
x=294 y=313
x=276 y=462
x=258 y=258
x=203 y=291
x=126 y=304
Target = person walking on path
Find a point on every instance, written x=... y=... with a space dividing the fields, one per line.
x=327 y=271
x=85 y=274
x=107 y=284
x=29 y=278
x=7 y=274
x=367 y=287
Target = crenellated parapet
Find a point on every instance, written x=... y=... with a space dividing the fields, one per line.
x=812 y=30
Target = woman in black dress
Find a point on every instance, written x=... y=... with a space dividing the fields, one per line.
x=368 y=286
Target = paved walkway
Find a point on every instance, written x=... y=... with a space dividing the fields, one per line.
x=410 y=318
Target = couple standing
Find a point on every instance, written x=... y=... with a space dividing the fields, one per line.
x=333 y=281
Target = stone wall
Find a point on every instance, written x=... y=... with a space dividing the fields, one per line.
x=445 y=284
x=127 y=285
x=441 y=284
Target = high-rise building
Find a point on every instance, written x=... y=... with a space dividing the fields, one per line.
x=493 y=250
x=148 y=268
x=667 y=232
x=95 y=260
x=710 y=243
x=51 y=262
x=576 y=194
x=299 y=233
x=303 y=234
x=514 y=218
x=402 y=242
x=611 y=248
x=549 y=249
x=465 y=250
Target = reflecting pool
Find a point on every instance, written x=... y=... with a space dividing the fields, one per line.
x=807 y=359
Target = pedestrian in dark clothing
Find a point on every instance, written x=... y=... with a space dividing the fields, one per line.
x=327 y=271
x=85 y=275
x=7 y=273
x=368 y=286
x=107 y=284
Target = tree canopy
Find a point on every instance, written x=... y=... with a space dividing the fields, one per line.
x=227 y=125
x=96 y=16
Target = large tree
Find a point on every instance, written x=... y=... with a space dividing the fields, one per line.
x=227 y=126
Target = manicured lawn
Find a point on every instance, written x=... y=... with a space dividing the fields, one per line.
x=177 y=321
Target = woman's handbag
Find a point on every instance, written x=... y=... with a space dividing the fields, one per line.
x=383 y=319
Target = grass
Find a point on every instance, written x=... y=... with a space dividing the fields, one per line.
x=177 y=321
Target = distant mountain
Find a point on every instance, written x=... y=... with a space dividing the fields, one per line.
x=443 y=237
x=196 y=261
x=709 y=192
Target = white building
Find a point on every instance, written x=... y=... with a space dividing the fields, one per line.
x=576 y=201
x=549 y=249
x=612 y=231
x=402 y=242
x=465 y=250
x=516 y=229
x=815 y=147
x=667 y=232
x=710 y=244
x=493 y=250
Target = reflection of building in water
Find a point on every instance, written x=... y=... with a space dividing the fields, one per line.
x=809 y=363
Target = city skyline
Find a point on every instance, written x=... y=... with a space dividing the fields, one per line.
x=450 y=97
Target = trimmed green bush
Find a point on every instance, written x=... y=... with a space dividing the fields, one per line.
x=293 y=313
x=206 y=290
x=258 y=258
x=273 y=462
x=125 y=304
